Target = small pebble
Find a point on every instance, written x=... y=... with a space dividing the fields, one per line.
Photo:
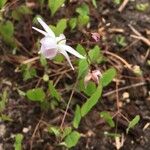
x=12 y=135
x=128 y=100
x=120 y=104
x=26 y=130
x=125 y=95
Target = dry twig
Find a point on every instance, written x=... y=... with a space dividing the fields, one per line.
x=139 y=36
x=30 y=60
x=130 y=45
x=121 y=59
x=142 y=38
x=116 y=30
x=123 y=5
x=125 y=88
x=61 y=126
x=35 y=130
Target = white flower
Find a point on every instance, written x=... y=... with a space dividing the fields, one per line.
x=51 y=45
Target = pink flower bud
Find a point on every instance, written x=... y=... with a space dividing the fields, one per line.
x=93 y=75
x=95 y=36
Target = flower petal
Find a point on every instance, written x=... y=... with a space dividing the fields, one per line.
x=41 y=31
x=95 y=78
x=95 y=75
x=48 y=53
x=61 y=39
x=71 y=50
x=96 y=72
x=48 y=47
x=62 y=51
x=87 y=79
x=48 y=42
x=95 y=36
x=46 y=27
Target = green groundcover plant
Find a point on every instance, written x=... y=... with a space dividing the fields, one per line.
x=90 y=80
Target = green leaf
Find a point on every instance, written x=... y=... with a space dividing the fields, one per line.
x=7 y=31
x=53 y=91
x=133 y=122
x=21 y=93
x=83 y=9
x=28 y=72
x=66 y=131
x=61 y=26
x=117 y=2
x=81 y=49
x=94 y=54
x=3 y=99
x=2 y=105
x=18 y=13
x=4 y=117
x=72 y=23
x=81 y=86
x=43 y=61
x=94 y=3
x=77 y=117
x=83 y=20
x=90 y=89
x=58 y=58
x=18 y=142
x=54 y=130
x=53 y=104
x=108 y=118
x=36 y=94
x=7 y=28
x=108 y=76
x=83 y=68
x=72 y=139
x=53 y=28
x=54 y=5
x=121 y=41
x=142 y=7
x=92 y=101
x=2 y=3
